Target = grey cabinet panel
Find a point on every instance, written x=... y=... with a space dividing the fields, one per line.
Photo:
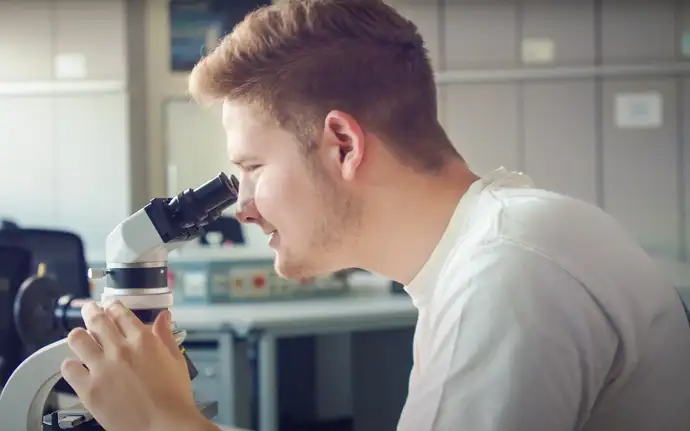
x=426 y=15
x=27 y=161
x=94 y=31
x=482 y=122
x=27 y=25
x=638 y=31
x=560 y=137
x=480 y=35
x=641 y=166
x=683 y=31
x=569 y=25
x=686 y=164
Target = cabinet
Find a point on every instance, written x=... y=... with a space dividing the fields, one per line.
x=92 y=169
x=26 y=40
x=640 y=166
x=96 y=32
x=27 y=160
x=65 y=143
x=65 y=163
x=35 y=34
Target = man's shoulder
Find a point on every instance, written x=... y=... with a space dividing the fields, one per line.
x=501 y=275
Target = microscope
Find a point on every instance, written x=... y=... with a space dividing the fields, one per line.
x=135 y=274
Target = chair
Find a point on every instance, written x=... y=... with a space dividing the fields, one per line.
x=64 y=258
x=15 y=267
x=62 y=252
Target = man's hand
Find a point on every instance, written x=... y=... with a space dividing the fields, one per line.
x=131 y=376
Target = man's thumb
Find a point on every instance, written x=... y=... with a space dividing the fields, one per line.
x=163 y=330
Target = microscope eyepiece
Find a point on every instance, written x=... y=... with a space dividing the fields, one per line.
x=197 y=207
x=219 y=192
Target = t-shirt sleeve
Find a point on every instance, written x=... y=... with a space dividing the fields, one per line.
x=517 y=343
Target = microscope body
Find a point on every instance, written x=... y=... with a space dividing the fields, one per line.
x=136 y=275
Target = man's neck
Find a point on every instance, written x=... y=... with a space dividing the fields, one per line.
x=406 y=224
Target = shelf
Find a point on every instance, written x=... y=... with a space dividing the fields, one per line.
x=531 y=74
x=41 y=88
x=55 y=88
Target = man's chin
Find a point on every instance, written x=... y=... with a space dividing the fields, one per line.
x=293 y=270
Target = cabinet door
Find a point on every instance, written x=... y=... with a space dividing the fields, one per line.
x=25 y=40
x=482 y=122
x=640 y=160
x=636 y=31
x=566 y=27
x=27 y=161
x=91 y=34
x=480 y=34
x=560 y=137
x=93 y=161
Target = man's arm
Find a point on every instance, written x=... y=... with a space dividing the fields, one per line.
x=521 y=347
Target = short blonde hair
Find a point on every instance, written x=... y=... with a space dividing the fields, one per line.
x=296 y=60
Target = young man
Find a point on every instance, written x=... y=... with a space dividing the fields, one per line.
x=536 y=311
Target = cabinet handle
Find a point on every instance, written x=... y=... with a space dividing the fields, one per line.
x=209 y=371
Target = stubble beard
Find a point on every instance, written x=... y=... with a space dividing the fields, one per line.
x=333 y=230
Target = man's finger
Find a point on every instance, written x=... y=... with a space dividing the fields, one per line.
x=84 y=346
x=163 y=330
x=74 y=373
x=101 y=327
x=125 y=320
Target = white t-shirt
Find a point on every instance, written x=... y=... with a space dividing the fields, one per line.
x=539 y=312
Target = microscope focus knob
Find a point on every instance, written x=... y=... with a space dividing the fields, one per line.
x=96 y=273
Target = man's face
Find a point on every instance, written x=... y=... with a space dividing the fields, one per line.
x=298 y=200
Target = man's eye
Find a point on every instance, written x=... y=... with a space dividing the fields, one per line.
x=252 y=168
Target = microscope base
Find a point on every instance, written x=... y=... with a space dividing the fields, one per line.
x=78 y=418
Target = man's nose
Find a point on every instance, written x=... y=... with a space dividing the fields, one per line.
x=247 y=212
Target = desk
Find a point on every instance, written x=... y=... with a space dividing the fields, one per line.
x=261 y=324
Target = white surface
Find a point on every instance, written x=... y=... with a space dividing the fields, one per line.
x=538 y=311
x=363 y=309
x=639 y=110
x=538 y=51
x=70 y=66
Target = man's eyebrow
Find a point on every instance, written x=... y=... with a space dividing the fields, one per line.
x=242 y=159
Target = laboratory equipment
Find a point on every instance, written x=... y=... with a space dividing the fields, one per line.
x=135 y=274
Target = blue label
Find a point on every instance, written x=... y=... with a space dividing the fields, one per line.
x=686 y=43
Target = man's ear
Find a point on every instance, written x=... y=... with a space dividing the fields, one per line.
x=345 y=142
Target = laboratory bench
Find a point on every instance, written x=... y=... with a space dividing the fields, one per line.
x=236 y=349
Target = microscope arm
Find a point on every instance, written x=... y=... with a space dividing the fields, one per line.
x=30 y=386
